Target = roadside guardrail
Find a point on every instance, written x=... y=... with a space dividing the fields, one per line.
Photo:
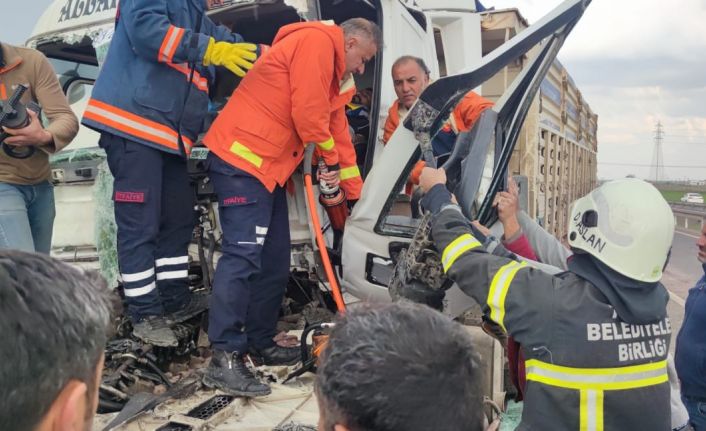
x=689 y=216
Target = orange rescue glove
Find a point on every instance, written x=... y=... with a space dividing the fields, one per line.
x=236 y=57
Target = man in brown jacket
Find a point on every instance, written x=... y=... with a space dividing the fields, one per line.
x=26 y=195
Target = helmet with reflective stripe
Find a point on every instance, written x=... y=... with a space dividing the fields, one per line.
x=627 y=225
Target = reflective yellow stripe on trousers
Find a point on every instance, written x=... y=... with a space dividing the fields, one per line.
x=593 y=382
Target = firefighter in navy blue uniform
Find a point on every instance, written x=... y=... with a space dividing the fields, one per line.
x=596 y=337
x=149 y=104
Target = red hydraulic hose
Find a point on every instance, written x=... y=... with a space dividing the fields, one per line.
x=314 y=214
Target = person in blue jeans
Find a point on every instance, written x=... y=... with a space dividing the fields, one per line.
x=691 y=346
x=26 y=195
x=26 y=216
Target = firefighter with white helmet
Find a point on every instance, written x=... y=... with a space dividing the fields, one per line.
x=596 y=337
x=627 y=225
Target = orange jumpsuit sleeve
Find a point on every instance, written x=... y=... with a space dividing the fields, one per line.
x=351 y=180
x=310 y=74
x=417 y=172
x=393 y=120
x=468 y=110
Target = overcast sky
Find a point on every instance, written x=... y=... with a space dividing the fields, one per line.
x=636 y=62
x=19 y=18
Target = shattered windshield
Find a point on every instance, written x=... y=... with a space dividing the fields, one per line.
x=67 y=71
x=76 y=81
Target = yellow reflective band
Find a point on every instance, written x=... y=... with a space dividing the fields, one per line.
x=327 y=145
x=583 y=411
x=592 y=382
x=348 y=173
x=601 y=379
x=591 y=410
x=246 y=153
x=459 y=246
x=599 y=410
x=499 y=288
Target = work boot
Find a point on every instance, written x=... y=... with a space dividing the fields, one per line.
x=229 y=373
x=155 y=330
x=276 y=355
x=197 y=303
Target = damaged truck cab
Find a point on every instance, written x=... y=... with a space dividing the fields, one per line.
x=75 y=36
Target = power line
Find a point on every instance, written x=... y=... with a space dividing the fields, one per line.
x=684 y=143
x=651 y=165
x=694 y=135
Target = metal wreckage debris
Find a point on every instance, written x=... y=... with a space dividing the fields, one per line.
x=291 y=426
x=139 y=377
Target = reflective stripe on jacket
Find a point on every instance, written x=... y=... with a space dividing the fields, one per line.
x=351 y=181
x=586 y=368
x=294 y=95
x=141 y=92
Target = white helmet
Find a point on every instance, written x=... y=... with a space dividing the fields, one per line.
x=627 y=225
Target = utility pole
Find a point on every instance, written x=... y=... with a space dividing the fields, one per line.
x=657 y=165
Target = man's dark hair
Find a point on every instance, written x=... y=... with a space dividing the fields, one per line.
x=363 y=27
x=420 y=62
x=53 y=320
x=399 y=367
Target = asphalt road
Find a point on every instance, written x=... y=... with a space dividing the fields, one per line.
x=683 y=260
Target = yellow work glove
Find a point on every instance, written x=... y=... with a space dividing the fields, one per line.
x=237 y=57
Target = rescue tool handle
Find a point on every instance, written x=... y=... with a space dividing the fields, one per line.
x=308 y=330
x=9 y=109
x=14 y=115
x=314 y=214
x=308 y=158
x=323 y=186
x=425 y=146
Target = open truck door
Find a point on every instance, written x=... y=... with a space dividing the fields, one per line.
x=383 y=222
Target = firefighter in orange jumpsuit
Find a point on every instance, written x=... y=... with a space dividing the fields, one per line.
x=294 y=96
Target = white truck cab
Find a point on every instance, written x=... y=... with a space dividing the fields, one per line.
x=75 y=35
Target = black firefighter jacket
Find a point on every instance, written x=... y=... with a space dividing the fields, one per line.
x=587 y=368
